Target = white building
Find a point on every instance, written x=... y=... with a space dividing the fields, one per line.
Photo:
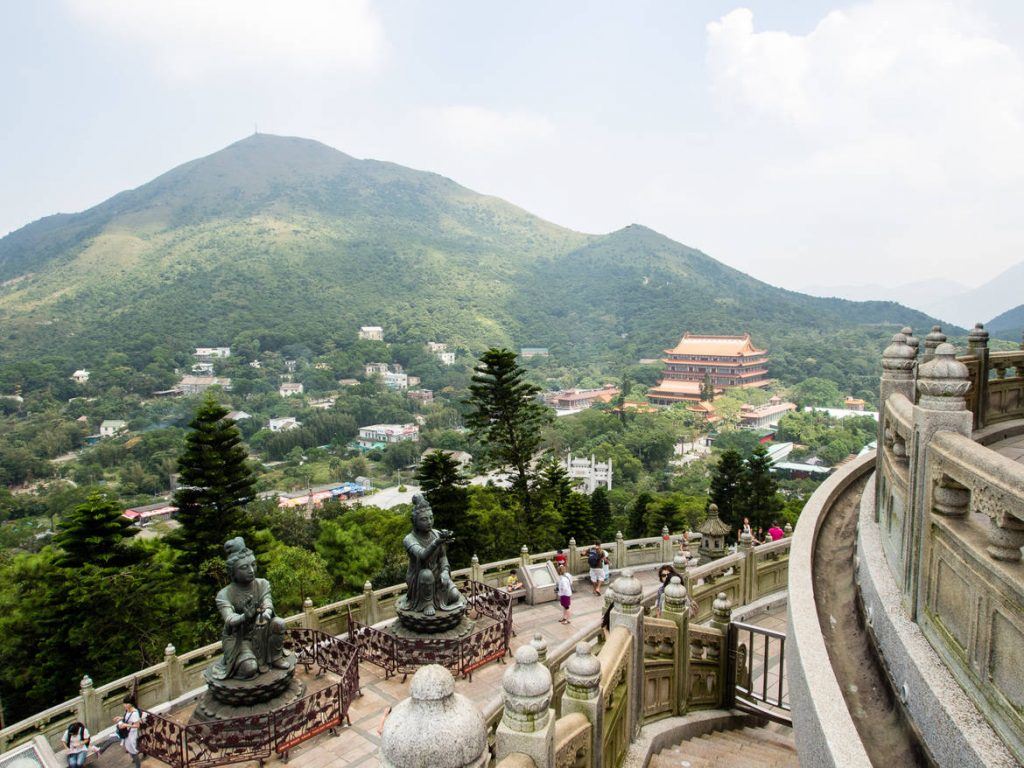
x=841 y=413
x=206 y=354
x=376 y=369
x=446 y=358
x=382 y=435
x=767 y=415
x=111 y=427
x=195 y=385
x=587 y=474
x=323 y=403
x=283 y=424
x=81 y=376
x=396 y=381
x=290 y=388
x=239 y=415
x=371 y=333
x=203 y=369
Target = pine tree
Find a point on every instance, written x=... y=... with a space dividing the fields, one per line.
x=601 y=513
x=507 y=419
x=553 y=482
x=444 y=487
x=93 y=532
x=758 y=498
x=726 y=487
x=576 y=519
x=638 y=515
x=215 y=486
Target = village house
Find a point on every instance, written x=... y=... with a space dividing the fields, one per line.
x=206 y=354
x=81 y=376
x=377 y=436
x=376 y=369
x=290 y=388
x=323 y=403
x=579 y=399
x=396 y=381
x=239 y=415
x=423 y=396
x=437 y=346
x=348 y=382
x=533 y=352
x=724 y=361
x=446 y=358
x=196 y=385
x=371 y=333
x=112 y=427
x=764 y=416
x=150 y=513
x=283 y=424
x=851 y=403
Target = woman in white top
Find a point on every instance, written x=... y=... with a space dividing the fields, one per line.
x=76 y=741
x=564 y=594
x=128 y=731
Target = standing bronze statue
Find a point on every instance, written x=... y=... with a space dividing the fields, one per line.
x=432 y=602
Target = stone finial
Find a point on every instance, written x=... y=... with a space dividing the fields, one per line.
x=524 y=550
x=583 y=674
x=977 y=338
x=676 y=598
x=170 y=650
x=527 y=692
x=572 y=541
x=86 y=682
x=931 y=341
x=628 y=592
x=746 y=540
x=898 y=359
x=721 y=611
x=435 y=727
x=541 y=646
x=912 y=340
x=788 y=529
x=618 y=535
x=367 y=586
x=681 y=561
x=474 y=560
x=664 y=532
x=308 y=602
x=943 y=381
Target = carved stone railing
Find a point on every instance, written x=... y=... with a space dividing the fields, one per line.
x=744 y=576
x=572 y=741
x=997 y=382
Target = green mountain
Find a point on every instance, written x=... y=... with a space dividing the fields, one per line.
x=291 y=242
x=1008 y=325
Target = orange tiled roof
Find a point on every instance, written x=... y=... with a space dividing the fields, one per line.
x=692 y=344
x=677 y=387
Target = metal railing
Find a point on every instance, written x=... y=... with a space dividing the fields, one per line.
x=756 y=672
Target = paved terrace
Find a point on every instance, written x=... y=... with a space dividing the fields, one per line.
x=357 y=745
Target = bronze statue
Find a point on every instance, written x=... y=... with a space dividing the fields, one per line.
x=252 y=637
x=432 y=602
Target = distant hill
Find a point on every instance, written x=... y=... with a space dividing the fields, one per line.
x=999 y=294
x=291 y=242
x=920 y=294
x=1009 y=325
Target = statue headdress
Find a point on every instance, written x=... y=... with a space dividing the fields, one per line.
x=236 y=552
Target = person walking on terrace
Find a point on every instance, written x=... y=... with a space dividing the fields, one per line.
x=595 y=561
x=564 y=594
x=127 y=728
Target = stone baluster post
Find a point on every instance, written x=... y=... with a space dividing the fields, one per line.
x=174 y=674
x=748 y=577
x=942 y=383
x=677 y=610
x=666 y=545
x=573 y=556
x=788 y=530
x=619 y=559
x=912 y=341
x=932 y=341
x=977 y=345
x=541 y=646
x=898 y=368
x=90 y=710
x=583 y=695
x=309 y=618
x=528 y=721
x=476 y=573
x=627 y=612
x=524 y=556
x=721 y=617
x=370 y=616
x=434 y=727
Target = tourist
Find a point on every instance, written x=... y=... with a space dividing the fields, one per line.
x=512 y=583
x=606 y=564
x=746 y=527
x=560 y=559
x=775 y=532
x=76 y=741
x=564 y=594
x=760 y=538
x=595 y=561
x=665 y=574
x=127 y=728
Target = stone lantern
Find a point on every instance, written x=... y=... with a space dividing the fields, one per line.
x=713 y=532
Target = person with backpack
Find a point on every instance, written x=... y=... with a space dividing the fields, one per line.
x=595 y=561
x=127 y=729
x=76 y=741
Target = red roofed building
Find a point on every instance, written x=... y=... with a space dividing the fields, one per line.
x=729 y=361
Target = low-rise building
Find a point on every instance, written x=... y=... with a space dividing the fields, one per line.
x=423 y=396
x=437 y=346
x=396 y=381
x=852 y=403
x=196 y=385
x=290 y=389
x=377 y=436
x=376 y=369
x=150 y=513
x=587 y=475
x=206 y=354
x=81 y=376
x=323 y=403
x=533 y=352
x=579 y=399
x=239 y=415
x=111 y=427
x=371 y=333
x=767 y=415
x=203 y=369
x=348 y=382
x=283 y=424
x=446 y=358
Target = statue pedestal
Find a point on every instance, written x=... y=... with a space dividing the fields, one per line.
x=463 y=628
x=266 y=692
x=419 y=623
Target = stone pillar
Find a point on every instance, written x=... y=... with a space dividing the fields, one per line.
x=619 y=558
x=476 y=573
x=369 y=604
x=583 y=695
x=528 y=721
x=942 y=383
x=932 y=341
x=90 y=710
x=572 y=557
x=677 y=610
x=666 y=545
x=174 y=674
x=721 y=617
x=977 y=345
x=524 y=556
x=627 y=612
x=435 y=727
x=748 y=576
x=898 y=368
x=309 y=618
x=788 y=530
x=541 y=646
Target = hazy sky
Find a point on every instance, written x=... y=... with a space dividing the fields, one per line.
x=803 y=142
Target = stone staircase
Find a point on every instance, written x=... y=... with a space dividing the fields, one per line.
x=770 y=746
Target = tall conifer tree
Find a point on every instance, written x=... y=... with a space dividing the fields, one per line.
x=726 y=487
x=444 y=487
x=94 y=533
x=758 y=490
x=601 y=513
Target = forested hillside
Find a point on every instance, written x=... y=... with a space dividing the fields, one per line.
x=285 y=241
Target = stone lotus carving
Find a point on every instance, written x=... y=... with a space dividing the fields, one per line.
x=943 y=381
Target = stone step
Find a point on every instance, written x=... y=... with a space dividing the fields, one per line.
x=770 y=746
